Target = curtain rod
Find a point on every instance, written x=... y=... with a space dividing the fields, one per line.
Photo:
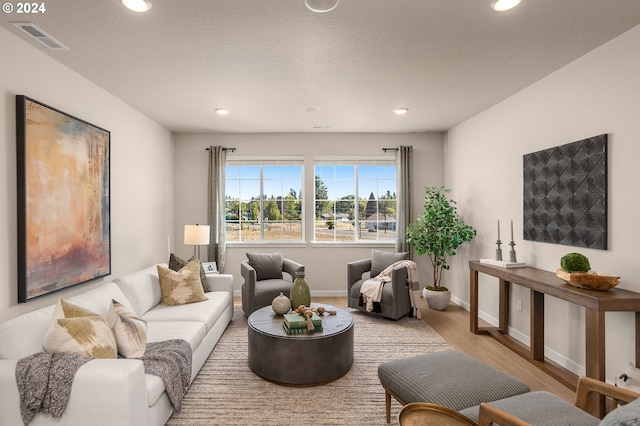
x=224 y=149
x=390 y=149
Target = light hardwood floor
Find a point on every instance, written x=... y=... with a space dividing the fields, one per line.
x=453 y=325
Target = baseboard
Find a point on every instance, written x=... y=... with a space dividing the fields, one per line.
x=554 y=356
x=329 y=293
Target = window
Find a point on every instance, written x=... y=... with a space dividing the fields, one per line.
x=264 y=200
x=355 y=201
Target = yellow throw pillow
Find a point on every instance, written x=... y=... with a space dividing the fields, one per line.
x=181 y=287
x=130 y=331
x=74 y=329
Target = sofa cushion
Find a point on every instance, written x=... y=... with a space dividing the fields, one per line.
x=627 y=415
x=267 y=265
x=23 y=335
x=142 y=289
x=206 y=312
x=99 y=299
x=75 y=329
x=176 y=263
x=181 y=287
x=380 y=260
x=129 y=330
x=155 y=388
x=191 y=331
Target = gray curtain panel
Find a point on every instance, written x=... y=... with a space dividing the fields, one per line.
x=404 y=211
x=216 y=210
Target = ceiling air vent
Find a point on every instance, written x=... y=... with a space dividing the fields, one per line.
x=40 y=35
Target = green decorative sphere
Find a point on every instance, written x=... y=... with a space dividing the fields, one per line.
x=575 y=262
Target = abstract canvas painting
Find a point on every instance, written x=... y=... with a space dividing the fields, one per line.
x=565 y=194
x=63 y=200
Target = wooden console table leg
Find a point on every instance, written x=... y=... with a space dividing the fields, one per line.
x=503 y=321
x=637 y=339
x=473 y=302
x=537 y=325
x=595 y=354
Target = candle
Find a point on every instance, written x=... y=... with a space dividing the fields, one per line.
x=511 y=230
x=498 y=229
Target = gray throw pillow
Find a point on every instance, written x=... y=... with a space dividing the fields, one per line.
x=627 y=415
x=267 y=265
x=176 y=263
x=381 y=259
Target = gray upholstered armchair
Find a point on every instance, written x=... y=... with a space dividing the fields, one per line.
x=395 y=302
x=264 y=279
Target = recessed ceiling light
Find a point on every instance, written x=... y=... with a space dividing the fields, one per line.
x=321 y=6
x=502 y=5
x=138 y=5
x=401 y=111
x=222 y=111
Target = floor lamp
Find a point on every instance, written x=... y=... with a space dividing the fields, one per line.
x=196 y=235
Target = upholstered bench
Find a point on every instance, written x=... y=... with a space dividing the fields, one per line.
x=450 y=378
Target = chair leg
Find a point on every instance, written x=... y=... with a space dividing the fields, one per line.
x=387 y=398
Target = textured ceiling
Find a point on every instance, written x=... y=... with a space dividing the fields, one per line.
x=267 y=60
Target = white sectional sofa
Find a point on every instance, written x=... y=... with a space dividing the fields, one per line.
x=117 y=391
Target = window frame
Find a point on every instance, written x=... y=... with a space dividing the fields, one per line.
x=356 y=162
x=261 y=162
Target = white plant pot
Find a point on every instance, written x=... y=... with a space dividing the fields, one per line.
x=437 y=300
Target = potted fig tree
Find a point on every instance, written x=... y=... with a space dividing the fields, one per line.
x=438 y=234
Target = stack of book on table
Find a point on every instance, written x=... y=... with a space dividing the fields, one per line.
x=297 y=323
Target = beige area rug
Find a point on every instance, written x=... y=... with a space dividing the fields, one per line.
x=227 y=392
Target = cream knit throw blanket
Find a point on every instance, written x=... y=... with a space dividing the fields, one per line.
x=371 y=289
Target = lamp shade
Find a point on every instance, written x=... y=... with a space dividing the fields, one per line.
x=196 y=234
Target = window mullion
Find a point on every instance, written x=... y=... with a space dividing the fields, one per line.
x=261 y=203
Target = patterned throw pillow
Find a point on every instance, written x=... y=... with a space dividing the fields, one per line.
x=78 y=330
x=184 y=286
x=129 y=330
x=176 y=263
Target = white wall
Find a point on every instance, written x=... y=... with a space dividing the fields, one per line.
x=483 y=164
x=325 y=263
x=141 y=167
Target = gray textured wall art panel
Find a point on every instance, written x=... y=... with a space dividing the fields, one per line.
x=565 y=194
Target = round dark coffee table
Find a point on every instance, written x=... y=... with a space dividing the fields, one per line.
x=300 y=359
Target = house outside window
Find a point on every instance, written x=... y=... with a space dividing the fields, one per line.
x=355 y=200
x=264 y=200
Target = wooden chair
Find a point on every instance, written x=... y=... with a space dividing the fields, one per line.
x=587 y=387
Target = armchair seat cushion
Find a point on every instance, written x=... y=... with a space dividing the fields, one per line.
x=627 y=415
x=387 y=292
x=539 y=409
x=264 y=292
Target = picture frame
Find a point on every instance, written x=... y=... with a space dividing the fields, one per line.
x=210 y=267
x=63 y=191
x=565 y=194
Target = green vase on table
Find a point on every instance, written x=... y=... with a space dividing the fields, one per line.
x=300 y=294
